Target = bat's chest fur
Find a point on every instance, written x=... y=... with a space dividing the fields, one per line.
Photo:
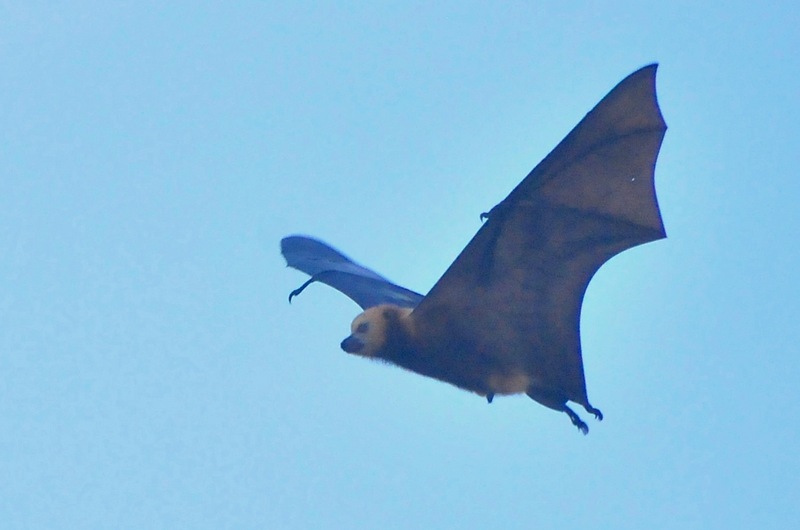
x=459 y=363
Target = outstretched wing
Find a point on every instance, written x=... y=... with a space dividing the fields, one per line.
x=327 y=265
x=515 y=292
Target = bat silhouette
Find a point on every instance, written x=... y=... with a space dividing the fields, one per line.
x=504 y=318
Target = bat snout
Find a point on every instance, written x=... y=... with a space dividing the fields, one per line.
x=352 y=345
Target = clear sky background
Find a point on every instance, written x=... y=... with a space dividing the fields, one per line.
x=153 y=374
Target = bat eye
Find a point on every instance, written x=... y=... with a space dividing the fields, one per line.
x=362 y=328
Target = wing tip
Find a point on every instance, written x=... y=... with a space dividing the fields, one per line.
x=287 y=242
x=301 y=246
x=647 y=75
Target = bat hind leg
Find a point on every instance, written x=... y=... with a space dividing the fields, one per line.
x=556 y=401
x=576 y=420
x=596 y=412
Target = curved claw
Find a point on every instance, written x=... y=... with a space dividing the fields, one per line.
x=484 y=216
x=301 y=288
x=576 y=420
x=596 y=412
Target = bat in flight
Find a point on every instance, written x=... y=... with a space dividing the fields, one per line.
x=505 y=316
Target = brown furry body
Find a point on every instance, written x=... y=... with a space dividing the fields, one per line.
x=439 y=350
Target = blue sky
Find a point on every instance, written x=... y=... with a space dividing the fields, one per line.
x=153 y=375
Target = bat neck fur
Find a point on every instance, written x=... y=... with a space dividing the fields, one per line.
x=389 y=333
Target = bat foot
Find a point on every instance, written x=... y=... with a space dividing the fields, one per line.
x=596 y=412
x=484 y=216
x=576 y=420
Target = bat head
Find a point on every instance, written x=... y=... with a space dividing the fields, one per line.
x=370 y=330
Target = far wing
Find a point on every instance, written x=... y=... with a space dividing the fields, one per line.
x=515 y=292
x=327 y=265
